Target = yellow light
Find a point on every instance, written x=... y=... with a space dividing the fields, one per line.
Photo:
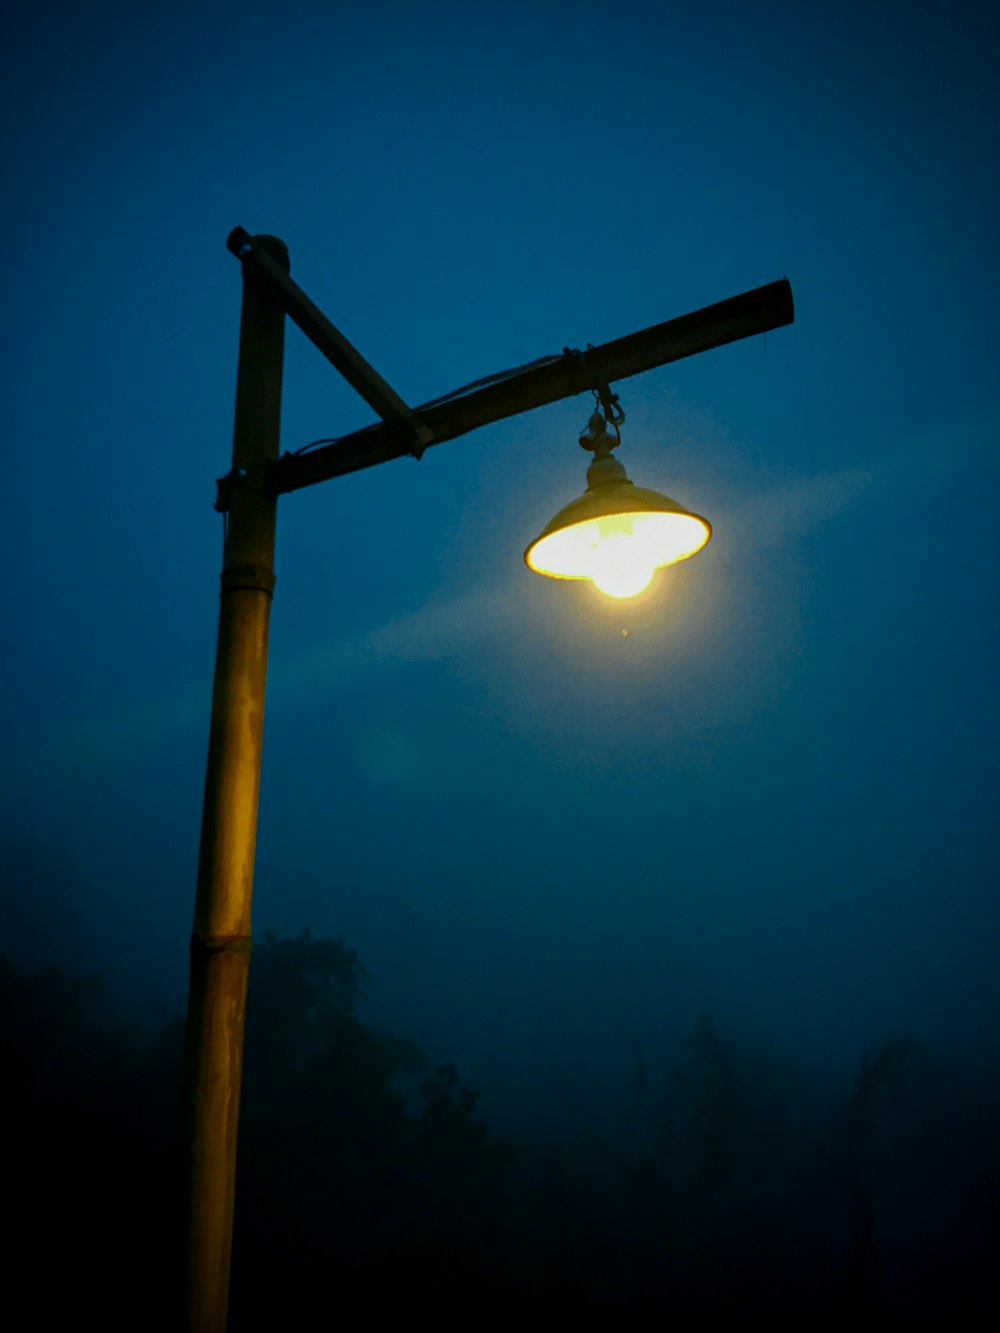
x=618 y=567
x=620 y=549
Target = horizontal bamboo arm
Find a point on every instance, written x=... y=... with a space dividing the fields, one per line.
x=756 y=311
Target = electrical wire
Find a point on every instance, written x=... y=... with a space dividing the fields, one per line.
x=497 y=378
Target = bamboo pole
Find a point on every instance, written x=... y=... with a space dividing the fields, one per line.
x=221 y=939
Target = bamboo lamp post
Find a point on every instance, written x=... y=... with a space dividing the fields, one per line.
x=620 y=517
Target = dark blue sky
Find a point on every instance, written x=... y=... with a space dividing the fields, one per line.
x=772 y=798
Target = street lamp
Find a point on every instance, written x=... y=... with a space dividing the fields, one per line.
x=615 y=533
x=612 y=517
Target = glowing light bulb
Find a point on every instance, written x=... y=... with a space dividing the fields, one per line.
x=621 y=563
x=621 y=573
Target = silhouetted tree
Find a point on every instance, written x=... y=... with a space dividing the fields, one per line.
x=880 y=1089
x=719 y=1201
x=338 y=1182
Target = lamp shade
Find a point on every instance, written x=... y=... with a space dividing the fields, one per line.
x=616 y=533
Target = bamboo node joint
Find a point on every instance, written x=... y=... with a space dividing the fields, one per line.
x=213 y=944
x=248 y=576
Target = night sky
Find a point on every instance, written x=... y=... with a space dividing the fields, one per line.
x=553 y=826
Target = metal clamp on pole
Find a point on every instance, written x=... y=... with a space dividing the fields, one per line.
x=423 y=436
x=224 y=487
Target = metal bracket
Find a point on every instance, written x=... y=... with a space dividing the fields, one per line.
x=598 y=386
x=224 y=487
x=423 y=438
